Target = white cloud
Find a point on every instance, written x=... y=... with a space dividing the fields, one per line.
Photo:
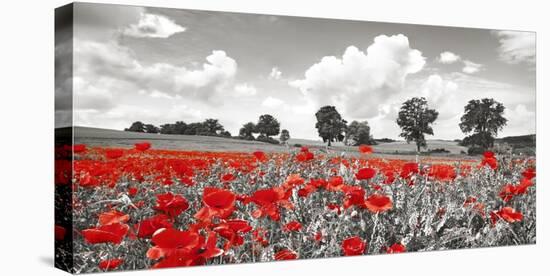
x=91 y=96
x=516 y=47
x=471 y=67
x=520 y=120
x=272 y=102
x=448 y=57
x=153 y=25
x=112 y=61
x=437 y=90
x=358 y=82
x=275 y=73
x=245 y=90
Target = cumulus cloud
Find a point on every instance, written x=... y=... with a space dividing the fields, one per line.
x=153 y=25
x=448 y=57
x=275 y=73
x=516 y=47
x=360 y=80
x=471 y=67
x=113 y=61
x=245 y=90
x=272 y=102
x=521 y=120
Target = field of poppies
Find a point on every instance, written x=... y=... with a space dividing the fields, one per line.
x=141 y=207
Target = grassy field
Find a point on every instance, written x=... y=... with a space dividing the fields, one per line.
x=116 y=138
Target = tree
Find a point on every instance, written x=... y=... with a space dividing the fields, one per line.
x=195 y=129
x=415 y=119
x=212 y=127
x=180 y=127
x=149 y=128
x=225 y=133
x=330 y=124
x=247 y=130
x=267 y=126
x=285 y=136
x=358 y=133
x=167 y=129
x=485 y=119
x=136 y=127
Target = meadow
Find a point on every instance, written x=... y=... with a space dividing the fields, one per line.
x=140 y=201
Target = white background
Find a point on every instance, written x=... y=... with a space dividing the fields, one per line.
x=26 y=148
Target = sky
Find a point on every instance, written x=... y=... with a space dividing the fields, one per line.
x=160 y=65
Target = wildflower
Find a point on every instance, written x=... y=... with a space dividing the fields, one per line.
x=353 y=246
x=170 y=204
x=113 y=153
x=110 y=233
x=396 y=248
x=285 y=254
x=378 y=203
x=217 y=203
x=365 y=149
x=293 y=226
x=142 y=146
x=365 y=174
x=110 y=264
x=508 y=214
x=113 y=216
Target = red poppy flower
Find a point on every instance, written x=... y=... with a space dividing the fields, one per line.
x=142 y=146
x=365 y=174
x=318 y=236
x=442 y=172
x=228 y=177
x=285 y=254
x=111 y=233
x=335 y=183
x=523 y=185
x=260 y=156
x=79 y=148
x=469 y=201
x=232 y=230
x=353 y=246
x=293 y=226
x=334 y=207
x=148 y=226
x=365 y=149
x=355 y=196
x=489 y=154
x=170 y=204
x=293 y=180
x=508 y=214
x=378 y=203
x=132 y=191
x=113 y=216
x=396 y=248
x=529 y=173
x=490 y=161
x=507 y=192
x=269 y=201
x=114 y=153
x=408 y=170
x=218 y=203
x=305 y=156
x=169 y=241
x=60 y=232
x=110 y=264
x=208 y=250
x=306 y=191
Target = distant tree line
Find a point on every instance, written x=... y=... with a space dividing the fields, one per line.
x=209 y=127
x=481 y=122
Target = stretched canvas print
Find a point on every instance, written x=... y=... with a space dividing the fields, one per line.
x=190 y=138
